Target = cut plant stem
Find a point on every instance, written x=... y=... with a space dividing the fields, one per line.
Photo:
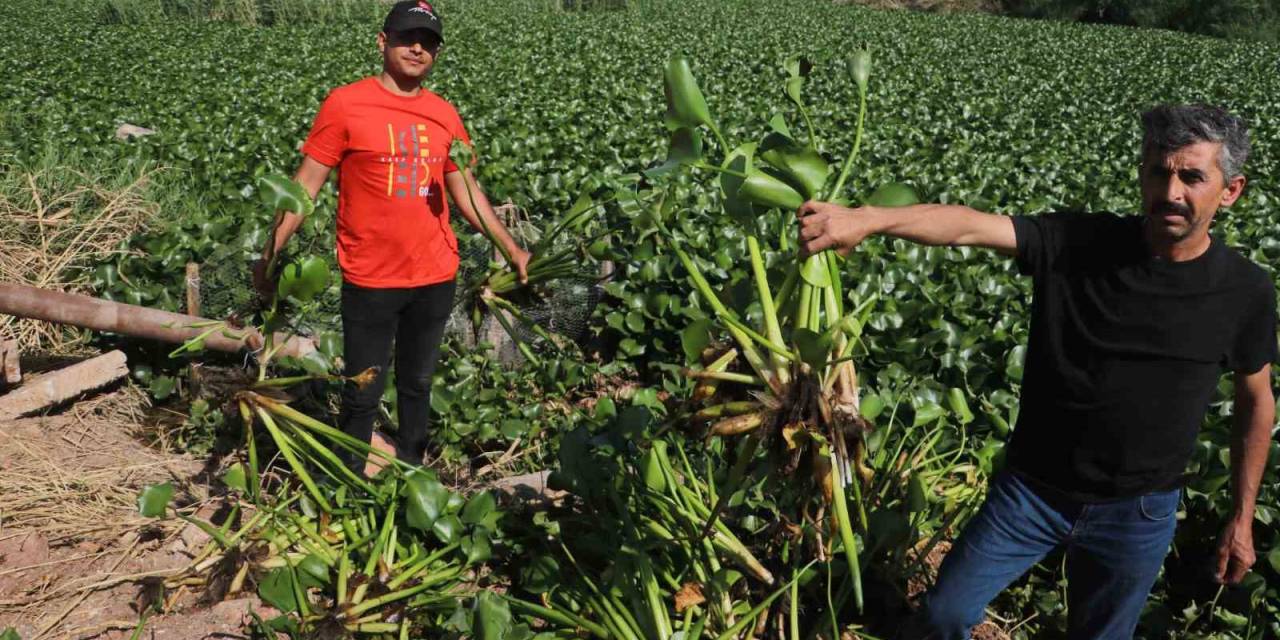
x=738 y=425
x=556 y=615
x=284 y=443
x=724 y=376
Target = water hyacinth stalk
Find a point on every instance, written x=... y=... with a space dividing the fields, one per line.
x=860 y=69
x=463 y=155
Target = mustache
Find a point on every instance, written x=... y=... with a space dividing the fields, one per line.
x=1175 y=208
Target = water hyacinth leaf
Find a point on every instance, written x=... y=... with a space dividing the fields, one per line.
x=813 y=347
x=425 y=499
x=540 y=575
x=313 y=572
x=10 y=634
x=491 y=619
x=234 y=478
x=802 y=166
x=793 y=86
x=1013 y=363
x=797 y=70
x=916 y=500
x=694 y=338
x=686 y=146
x=280 y=193
x=778 y=124
x=447 y=529
x=927 y=412
x=303 y=279
x=454 y=502
x=768 y=191
x=685 y=105
x=162 y=387
x=959 y=406
x=277 y=590
x=654 y=478
x=1273 y=558
x=893 y=194
x=479 y=508
x=154 y=499
x=871 y=406
x=461 y=153
x=814 y=271
x=738 y=161
x=477 y=548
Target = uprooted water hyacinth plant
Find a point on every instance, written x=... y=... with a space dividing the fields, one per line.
x=797 y=395
x=565 y=249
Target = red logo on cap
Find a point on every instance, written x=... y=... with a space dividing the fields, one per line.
x=426 y=5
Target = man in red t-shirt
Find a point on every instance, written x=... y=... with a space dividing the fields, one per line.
x=389 y=138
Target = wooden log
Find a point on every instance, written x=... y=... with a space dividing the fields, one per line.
x=132 y=320
x=52 y=388
x=528 y=488
x=10 y=372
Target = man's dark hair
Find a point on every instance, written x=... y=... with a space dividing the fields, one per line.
x=1167 y=128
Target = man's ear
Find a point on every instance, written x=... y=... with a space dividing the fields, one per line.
x=1233 y=191
x=382 y=42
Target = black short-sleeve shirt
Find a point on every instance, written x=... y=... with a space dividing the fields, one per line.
x=1125 y=352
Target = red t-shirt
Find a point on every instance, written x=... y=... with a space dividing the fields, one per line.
x=392 y=153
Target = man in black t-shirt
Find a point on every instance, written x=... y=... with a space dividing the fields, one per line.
x=1133 y=319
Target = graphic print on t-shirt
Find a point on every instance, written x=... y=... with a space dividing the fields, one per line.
x=408 y=161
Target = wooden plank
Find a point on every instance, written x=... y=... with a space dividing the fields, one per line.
x=49 y=389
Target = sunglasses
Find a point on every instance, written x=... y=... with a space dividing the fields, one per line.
x=428 y=39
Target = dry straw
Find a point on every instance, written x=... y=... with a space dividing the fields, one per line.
x=56 y=226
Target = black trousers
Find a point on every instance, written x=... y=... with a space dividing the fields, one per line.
x=374 y=322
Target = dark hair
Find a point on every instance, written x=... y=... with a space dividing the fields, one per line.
x=1167 y=128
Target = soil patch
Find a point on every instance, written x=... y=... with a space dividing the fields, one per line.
x=76 y=558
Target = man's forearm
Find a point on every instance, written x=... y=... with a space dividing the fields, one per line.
x=1250 y=441
x=930 y=224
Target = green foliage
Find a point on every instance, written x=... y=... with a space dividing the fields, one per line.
x=154 y=499
x=243 y=12
x=972 y=109
x=1244 y=19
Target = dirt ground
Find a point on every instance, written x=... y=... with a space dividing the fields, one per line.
x=76 y=558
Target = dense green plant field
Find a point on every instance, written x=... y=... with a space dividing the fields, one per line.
x=1006 y=115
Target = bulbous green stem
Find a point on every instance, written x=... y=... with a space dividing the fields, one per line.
x=772 y=328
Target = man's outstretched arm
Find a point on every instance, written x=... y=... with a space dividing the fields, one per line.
x=1254 y=415
x=830 y=226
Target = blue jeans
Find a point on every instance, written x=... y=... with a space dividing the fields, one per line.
x=1114 y=553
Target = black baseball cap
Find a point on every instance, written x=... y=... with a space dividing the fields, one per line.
x=413 y=14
